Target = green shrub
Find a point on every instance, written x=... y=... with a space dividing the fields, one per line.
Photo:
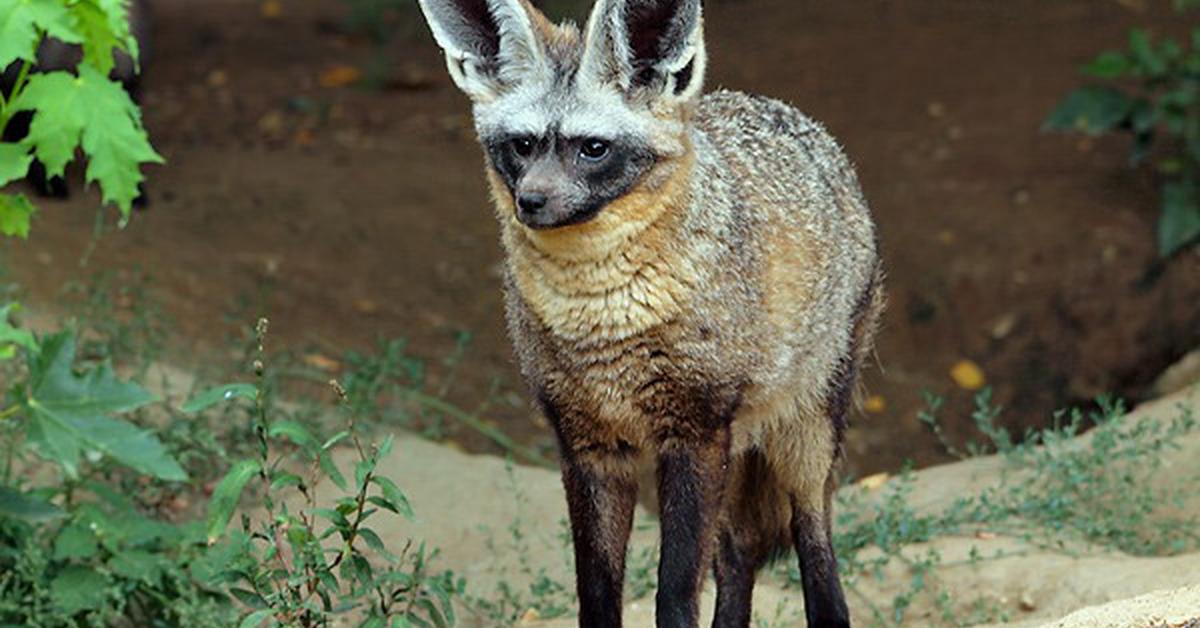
x=82 y=110
x=1153 y=90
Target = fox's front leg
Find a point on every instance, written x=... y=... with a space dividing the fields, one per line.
x=691 y=478
x=601 y=491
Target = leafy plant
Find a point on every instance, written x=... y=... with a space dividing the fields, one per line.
x=79 y=543
x=82 y=110
x=1055 y=491
x=300 y=568
x=1157 y=92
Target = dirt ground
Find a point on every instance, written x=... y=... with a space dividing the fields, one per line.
x=1028 y=585
x=349 y=214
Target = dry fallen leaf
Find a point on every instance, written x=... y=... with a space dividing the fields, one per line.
x=985 y=536
x=874 y=482
x=339 y=76
x=967 y=375
x=271 y=9
x=321 y=362
x=529 y=616
x=875 y=404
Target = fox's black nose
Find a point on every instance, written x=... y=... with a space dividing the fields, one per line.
x=531 y=202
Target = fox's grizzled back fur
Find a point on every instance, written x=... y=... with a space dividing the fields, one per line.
x=690 y=278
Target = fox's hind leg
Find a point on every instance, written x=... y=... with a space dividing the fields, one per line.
x=824 y=602
x=802 y=452
x=755 y=525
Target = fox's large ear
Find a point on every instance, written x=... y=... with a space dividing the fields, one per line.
x=647 y=45
x=490 y=44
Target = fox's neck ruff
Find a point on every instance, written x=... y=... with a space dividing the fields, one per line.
x=614 y=276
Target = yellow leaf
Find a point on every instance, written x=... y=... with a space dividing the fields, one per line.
x=873 y=482
x=967 y=375
x=339 y=76
x=320 y=362
x=875 y=404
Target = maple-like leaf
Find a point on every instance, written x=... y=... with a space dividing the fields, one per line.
x=104 y=25
x=21 y=22
x=14 y=162
x=69 y=414
x=92 y=111
x=15 y=212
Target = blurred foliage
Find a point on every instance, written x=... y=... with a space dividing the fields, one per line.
x=1153 y=91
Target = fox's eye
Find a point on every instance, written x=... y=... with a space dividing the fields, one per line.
x=523 y=146
x=593 y=149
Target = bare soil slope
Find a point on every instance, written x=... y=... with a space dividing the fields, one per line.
x=466 y=505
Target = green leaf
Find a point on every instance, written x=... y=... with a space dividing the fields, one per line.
x=1090 y=109
x=14 y=162
x=137 y=565
x=213 y=396
x=10 y=335
x=15 y=212
x=330 y=469
x=76 y=540
x=68 y=414
x=105 y=26
x=1107 y=65
x=248 y=597
x=96 y=113
x=1179 y=224
x=226 y=495
x=294 y=432
x=284 y=479
x=77 y=589
x=254 y=619
x=1143 y=54
x=23 y=507
x=393 y=494
x=20 y=21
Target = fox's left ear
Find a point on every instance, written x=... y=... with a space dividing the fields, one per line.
x=647 y=46
x=490 y=45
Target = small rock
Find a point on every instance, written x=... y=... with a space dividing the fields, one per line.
x=1026 y=602
x=271 y=9
x=271 y=124
x=217 y=78
x=1020 y=196
x=935 y=109
x=1003 y=326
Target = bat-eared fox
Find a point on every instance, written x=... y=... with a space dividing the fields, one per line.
x=691 y=279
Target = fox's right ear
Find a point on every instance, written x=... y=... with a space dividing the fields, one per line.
x=489 y=44
x=648 y=48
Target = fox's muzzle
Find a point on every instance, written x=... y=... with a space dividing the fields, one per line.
x=541 y=211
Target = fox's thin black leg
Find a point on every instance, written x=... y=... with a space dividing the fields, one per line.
x=735 y=567
x=690 y=485
x=601 y=495
x=824 y=601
